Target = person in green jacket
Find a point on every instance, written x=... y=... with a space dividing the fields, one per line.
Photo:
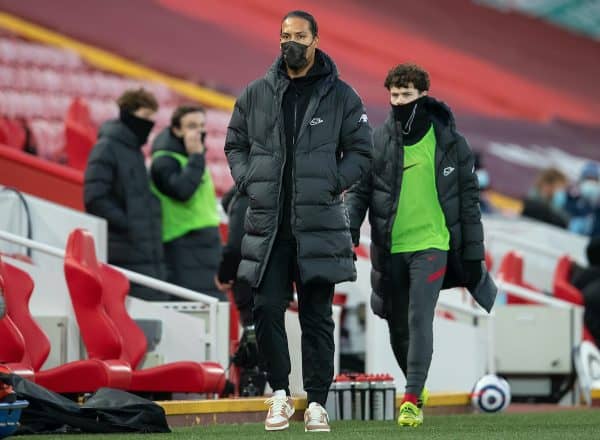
x=426 y=233
x=190 y=217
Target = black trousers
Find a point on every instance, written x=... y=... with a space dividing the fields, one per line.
x=417 y=279
x=271 y=299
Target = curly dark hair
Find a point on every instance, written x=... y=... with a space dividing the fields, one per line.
x=404 y=74
x=135 y=99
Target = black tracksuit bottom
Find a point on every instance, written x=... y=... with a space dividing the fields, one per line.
x=271 y=300
x=417 y=279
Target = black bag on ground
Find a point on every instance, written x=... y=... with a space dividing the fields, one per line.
x=107 y=411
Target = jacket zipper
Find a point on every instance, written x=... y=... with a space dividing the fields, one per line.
x=437 y=174
x=278 y=124
x=292 y=213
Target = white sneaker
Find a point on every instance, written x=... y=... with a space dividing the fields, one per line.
x=281 y=409
x=316 y=419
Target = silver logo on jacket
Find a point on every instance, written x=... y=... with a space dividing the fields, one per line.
x=448 y=171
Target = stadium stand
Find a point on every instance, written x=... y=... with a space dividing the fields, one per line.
x=63 y=101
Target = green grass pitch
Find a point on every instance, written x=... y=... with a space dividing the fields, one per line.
x=563 y=425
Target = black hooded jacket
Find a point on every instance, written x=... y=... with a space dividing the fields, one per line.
x=331 y=152
x=116 y=188
x=457 y=189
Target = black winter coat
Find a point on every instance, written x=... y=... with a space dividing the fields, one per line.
x=332 y=152
x=116 y=187
x=457 y=189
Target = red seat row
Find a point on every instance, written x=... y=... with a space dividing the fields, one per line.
x=114 y=343
x=511 y=271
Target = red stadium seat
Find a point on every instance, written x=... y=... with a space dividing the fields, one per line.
x=12 y=133
x=12 y=347
x=80 y=133
x=100 y=336
x=73 y=377
x=511 y=271
x=205 y=377
x=563 y=289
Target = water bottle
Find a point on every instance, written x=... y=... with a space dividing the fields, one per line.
x=339 y=399
x=377 y=390
x=344 y=400
x=390 y=397
x=331 y=404
x=361 y=401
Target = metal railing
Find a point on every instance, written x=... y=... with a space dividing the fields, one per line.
x=522 y=243
x=209 y=302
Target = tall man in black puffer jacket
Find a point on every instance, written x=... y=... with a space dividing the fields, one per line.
x=297 y=139
x=423 y=201
x=116 y=187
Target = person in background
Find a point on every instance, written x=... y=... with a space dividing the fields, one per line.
x=547 y=199
x=190 y=218
x=587 y=280
x=583 y=202
x=246 y=356
x=116 y=188
x=235 y=205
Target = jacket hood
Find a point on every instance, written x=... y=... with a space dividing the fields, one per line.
x=119 y=133
x=438 y=111
x=166 y=140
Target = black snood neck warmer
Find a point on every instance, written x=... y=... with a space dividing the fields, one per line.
x=141 y=127
x=413 y=120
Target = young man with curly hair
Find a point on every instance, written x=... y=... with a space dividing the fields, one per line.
x=423 y=201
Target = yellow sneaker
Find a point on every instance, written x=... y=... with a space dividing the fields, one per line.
x=423 y=398
x=410 y=415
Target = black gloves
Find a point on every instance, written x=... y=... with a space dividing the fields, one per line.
x=473 y=271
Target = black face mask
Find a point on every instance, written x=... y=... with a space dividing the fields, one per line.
x=410 y=115
x=141 y=127
x=294 y=55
